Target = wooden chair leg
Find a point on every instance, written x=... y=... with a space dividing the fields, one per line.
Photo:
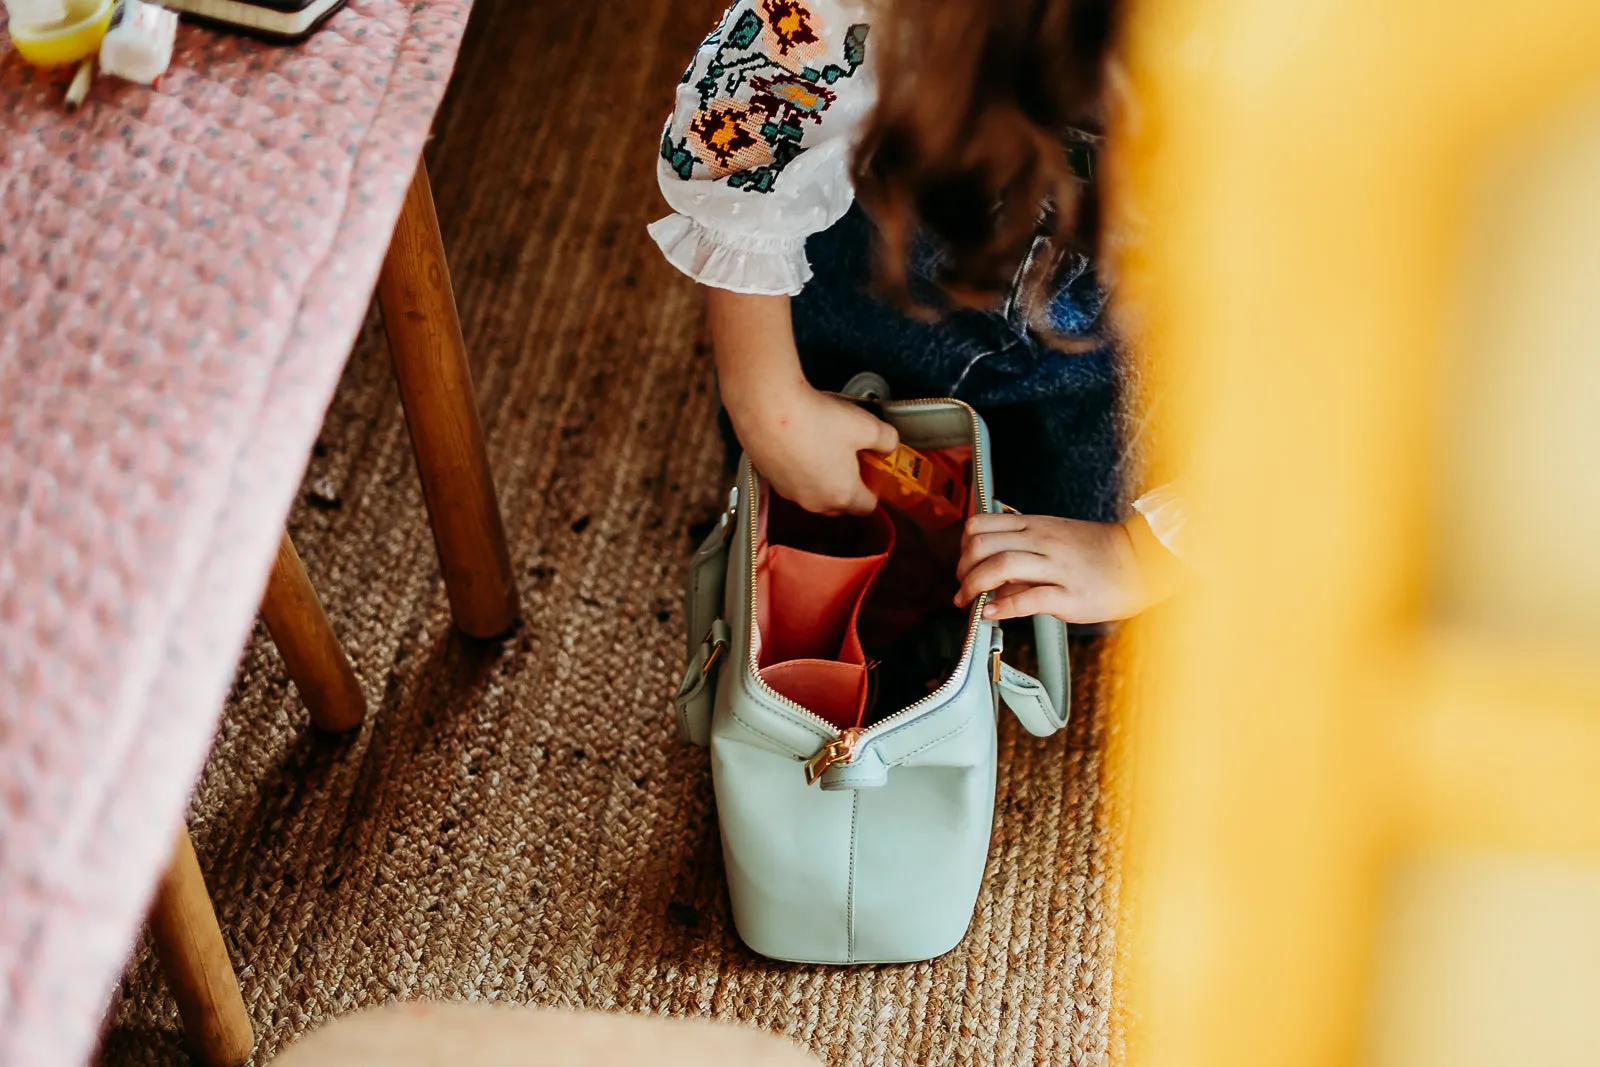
x=430 y=362
x=316 y=661
x=189 y=945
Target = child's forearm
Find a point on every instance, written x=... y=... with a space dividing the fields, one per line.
x=804 y=443
x=753 y=338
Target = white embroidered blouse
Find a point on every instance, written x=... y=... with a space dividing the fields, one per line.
x=755 y=157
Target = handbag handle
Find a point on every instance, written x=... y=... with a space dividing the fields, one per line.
x=1040 y=704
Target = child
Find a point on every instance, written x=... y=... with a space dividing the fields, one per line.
x=968 y=130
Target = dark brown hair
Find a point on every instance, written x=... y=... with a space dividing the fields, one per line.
x=968 y=140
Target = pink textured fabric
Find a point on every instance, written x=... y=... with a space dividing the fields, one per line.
x=182 y=273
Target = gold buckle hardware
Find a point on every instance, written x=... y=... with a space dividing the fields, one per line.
x=841 y=749
x=718 y=647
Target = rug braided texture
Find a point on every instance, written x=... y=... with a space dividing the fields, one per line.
x=517 y=821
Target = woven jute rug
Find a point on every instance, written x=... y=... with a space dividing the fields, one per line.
x=517 y=821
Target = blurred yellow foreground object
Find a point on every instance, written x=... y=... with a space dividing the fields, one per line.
x=1358 y=242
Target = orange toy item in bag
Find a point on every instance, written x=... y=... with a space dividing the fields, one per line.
x=931 y=492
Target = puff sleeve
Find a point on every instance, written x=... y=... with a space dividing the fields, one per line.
x=1163 y=508
x=755 y=157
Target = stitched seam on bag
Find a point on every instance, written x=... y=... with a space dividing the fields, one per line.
x=780 y=742
x=938 y=740
x=850 y=890
x=935 y=741
x=848 y=780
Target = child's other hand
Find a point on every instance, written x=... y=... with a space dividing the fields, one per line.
x=1040 y=565
x=805 y=443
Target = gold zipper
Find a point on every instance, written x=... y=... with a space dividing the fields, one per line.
x=843 y=751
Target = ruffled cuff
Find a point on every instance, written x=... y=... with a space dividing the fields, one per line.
x=739 y=263
x=1163 y=510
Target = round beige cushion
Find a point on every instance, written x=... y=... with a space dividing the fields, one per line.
x=424 y=1034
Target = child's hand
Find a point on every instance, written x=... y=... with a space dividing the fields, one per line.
x=805 y=443
x=802 y=441
x=1040 y=565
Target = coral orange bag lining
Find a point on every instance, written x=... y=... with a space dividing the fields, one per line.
x=818 y=586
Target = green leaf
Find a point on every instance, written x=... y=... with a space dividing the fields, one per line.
x=746 y=30
x=855 y=45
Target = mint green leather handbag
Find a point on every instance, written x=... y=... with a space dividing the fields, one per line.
x=855 y=795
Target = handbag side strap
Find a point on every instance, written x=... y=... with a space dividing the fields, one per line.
x=697 y=693
x=708 y=634
x=1055 y=666
x=1028 y=701
x=1041 y=704
x=708 y=576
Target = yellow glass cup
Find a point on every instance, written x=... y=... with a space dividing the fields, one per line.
x=68 y=42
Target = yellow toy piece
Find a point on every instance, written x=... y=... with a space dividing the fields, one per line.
x=925 y=489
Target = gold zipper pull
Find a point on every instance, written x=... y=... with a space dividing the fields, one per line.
x=841 y=749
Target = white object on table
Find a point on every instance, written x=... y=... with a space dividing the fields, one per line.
x=138 y=46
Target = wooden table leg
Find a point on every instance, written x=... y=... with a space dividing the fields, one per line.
x=189 y=945
x=316 y=661
x=430 y=362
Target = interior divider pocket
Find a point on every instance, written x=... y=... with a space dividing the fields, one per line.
x=836 y=691
x=820 y=597
x=823 y=580
x=810 y=645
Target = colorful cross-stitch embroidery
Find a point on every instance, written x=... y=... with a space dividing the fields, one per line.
x=792 y=33
x=766 y=79
x=723 y=138
x=790 y=99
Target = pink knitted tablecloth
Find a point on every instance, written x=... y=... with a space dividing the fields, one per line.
x=182 y=273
